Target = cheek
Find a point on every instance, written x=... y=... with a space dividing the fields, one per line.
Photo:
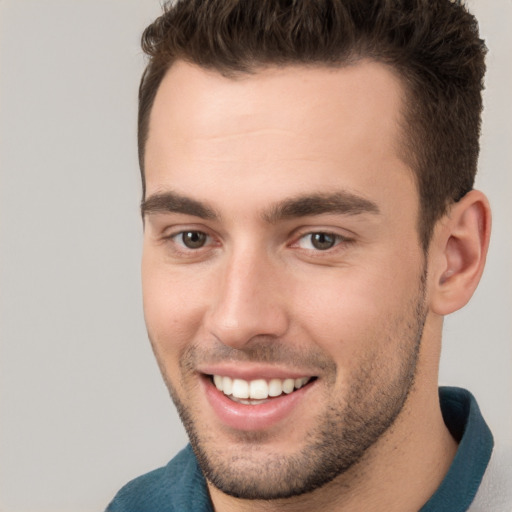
x=358 y=311
x=172 y=308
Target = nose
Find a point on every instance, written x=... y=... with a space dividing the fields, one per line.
x=249 y=301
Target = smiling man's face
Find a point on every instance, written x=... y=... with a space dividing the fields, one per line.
x=283 y=278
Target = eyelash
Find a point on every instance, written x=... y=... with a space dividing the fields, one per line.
x=180 y=246
x=337 y=240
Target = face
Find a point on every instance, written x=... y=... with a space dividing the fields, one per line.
x=283 y=278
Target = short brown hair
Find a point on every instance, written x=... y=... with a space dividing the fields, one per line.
x=434 y=46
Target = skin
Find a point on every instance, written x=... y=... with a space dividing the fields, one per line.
x=228 y=158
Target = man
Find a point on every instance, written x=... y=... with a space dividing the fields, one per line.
x=309 y=219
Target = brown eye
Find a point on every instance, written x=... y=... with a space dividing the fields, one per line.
x=193 y=239
x=323 y=241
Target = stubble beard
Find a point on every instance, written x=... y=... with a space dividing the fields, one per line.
x=343 y=435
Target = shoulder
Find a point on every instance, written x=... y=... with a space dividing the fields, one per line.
x=495 y=492
x=179 y=486
x=461 y=484
x=481 y=472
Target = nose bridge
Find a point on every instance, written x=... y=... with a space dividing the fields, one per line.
x=248 y=301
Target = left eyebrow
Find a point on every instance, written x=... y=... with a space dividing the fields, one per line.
x=172 y=202
x=343 y=202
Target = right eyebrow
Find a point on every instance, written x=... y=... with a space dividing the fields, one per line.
x=172 y=202
x=338 y=202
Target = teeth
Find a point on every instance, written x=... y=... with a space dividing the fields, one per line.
x=227 y=385
x=259 y=389
x=299 y=383
x=275 y=387
x=240 y=388
x=217 y=379
x=288 y=385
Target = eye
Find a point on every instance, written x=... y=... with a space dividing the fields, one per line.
x=319 y=241
x=191 y=239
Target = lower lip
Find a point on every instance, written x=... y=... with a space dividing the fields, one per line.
x=252 y=417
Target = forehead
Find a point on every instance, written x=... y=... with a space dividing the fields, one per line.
x=313 y=126
x=198 y=102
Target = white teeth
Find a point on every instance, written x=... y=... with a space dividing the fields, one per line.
x=240 y=388
x=288 y=385
x=258 y=389
x=227 y=385
x=217 y=379
x=275 y=387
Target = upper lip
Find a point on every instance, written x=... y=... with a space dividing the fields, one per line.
x=252 y=371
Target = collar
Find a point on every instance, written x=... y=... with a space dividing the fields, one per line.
x=463 y=419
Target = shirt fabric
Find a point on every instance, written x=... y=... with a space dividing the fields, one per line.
x=180 y=486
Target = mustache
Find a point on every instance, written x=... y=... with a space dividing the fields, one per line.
x=262 y=350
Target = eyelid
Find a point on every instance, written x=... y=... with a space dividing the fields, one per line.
x=170 y=237
x=179 y=236
x=342 y=240
x=171 y=231
x=312 y=230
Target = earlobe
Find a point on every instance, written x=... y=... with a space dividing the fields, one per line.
x=460 y=247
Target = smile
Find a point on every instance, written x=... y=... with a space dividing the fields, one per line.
x=264 y=399
x=257 y=391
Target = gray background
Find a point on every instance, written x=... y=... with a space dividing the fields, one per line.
x=82 y=406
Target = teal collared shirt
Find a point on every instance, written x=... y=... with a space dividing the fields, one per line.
x=181 y=487
x=462 y=416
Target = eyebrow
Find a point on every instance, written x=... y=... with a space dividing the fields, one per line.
x=341 y=202
x=171 y=202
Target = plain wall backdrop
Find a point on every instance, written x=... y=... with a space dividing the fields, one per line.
x=82 y=405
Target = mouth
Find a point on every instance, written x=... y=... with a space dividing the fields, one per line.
x=257 y=397
x=257 y=391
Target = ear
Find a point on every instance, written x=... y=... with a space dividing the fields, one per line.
x=458 y=251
